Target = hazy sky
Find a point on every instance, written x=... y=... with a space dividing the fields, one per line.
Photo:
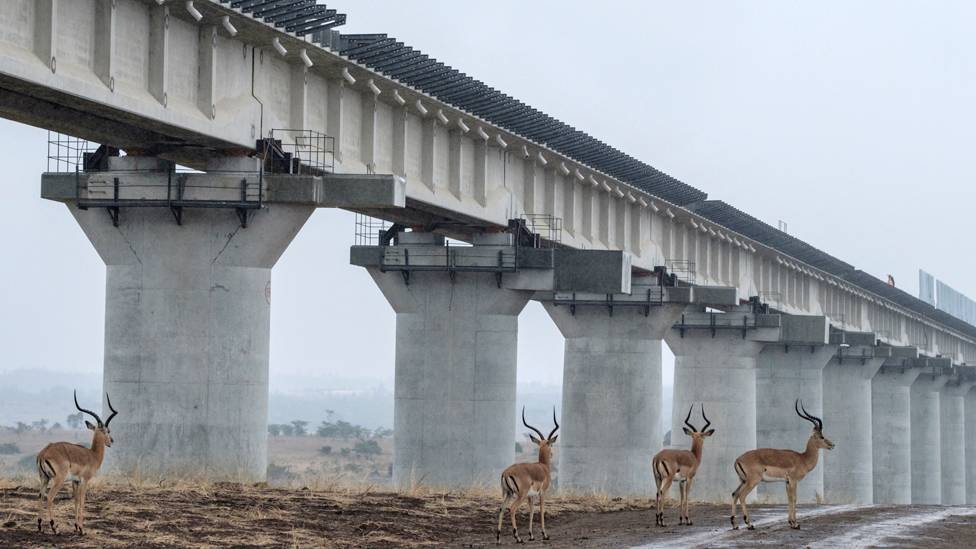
x=852 y=122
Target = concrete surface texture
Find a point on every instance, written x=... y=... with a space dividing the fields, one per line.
x=454 y=403
x=953 y=431
x=927 y=439
x=187 y=323
x=612 y=399
x=785 y=373
x=970 y=409
x=848 y=469
x=891 y=406
x=720 y=373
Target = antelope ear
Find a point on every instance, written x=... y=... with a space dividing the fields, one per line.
x=687 y=431
x=553 y=440
x=708 y=433
x=89 y=425
x=535 y=440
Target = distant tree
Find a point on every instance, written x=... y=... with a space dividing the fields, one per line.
x=367 y=448
x=518 y=448
x=76 y=421
x=274 y=429
x=325 y=450
x=57 y=426
x=380 y=432
x=28 y=463
x=40 y=425
x=22 y=428
x=287 y=430
x=300 y=427
x=667 y=438
x=342 y=429
x=344 y=451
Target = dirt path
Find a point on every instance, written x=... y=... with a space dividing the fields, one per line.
x=200 y=515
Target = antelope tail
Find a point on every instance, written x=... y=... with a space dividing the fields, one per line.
x=45 y=469
x=508 y=488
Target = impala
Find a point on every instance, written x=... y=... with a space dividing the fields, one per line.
x=527 y=480
x=768 y=465
x=63 y=461
x=681 y=465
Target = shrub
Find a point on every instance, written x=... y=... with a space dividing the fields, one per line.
x=9 y=449
x=352 y=467
x=367 y=448
x=29 y=463
x=325 y=450
x=344 y=451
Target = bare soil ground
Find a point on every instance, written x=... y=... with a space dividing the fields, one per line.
x=189 y=513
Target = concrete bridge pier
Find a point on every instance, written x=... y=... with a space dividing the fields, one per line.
x=848 y=468
x=611 y=405
x=891 y=430
x=187 y=323
x=970 y=405
x=953 y=413
x=456 y=343
x=786 y=371
x=927 y=438
x=715 y=365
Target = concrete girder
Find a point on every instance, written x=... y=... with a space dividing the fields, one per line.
x=785 y=371
x=953 y=432
x=848 y=469
x=612 y=397
x=715 y=365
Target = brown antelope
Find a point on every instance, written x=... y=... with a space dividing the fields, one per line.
x=768 y=465
x=680 y=464
x=527 y=480
x=64 y=461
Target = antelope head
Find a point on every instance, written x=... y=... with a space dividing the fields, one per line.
x=817 y=435
x=696 y=434
x=101 y=429
x=545 y=443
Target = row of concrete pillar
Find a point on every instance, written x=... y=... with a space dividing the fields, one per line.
x=187 y=336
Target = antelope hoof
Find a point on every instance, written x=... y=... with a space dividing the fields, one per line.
x=751 y=527
x=39 y=529
x=54 y=529
x=795 y=526
x=545 y=537
x=688 y=522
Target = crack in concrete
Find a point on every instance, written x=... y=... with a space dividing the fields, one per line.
x=229 y=238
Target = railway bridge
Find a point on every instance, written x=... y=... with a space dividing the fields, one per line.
x=281 y=114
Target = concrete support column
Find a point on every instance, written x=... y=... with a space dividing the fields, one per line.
x=456 y=342
x=717 y=369
x=848 y=469
x=953 y=414
x=187 y=323
x=891 y=408
x=611 y=405
x=785 y=373
x=970 y=404
x=927 y=439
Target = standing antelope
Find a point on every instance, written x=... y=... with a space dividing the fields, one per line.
x=527 y=480
x=680 y=464
x=64 y=461
x=768 y=465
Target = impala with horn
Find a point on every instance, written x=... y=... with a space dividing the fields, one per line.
x=527 y=480
x=681 y=465
x=59 y=462
x=768 y=465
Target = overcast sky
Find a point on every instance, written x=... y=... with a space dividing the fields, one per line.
x=853 y=123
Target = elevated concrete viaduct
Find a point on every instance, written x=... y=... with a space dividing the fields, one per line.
x=368 y=124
